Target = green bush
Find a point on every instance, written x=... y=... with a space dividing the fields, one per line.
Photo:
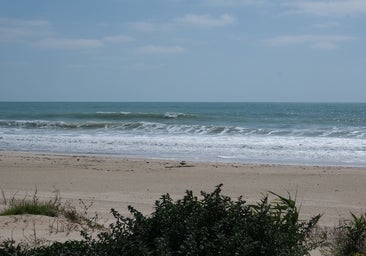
x=69 y=248
x=213 y=225
x=348 y=239
x=355 y=235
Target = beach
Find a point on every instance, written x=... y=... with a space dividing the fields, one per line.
x=105 y=182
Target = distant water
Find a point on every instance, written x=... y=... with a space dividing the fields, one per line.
x=284 y=133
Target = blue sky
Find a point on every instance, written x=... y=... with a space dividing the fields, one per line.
x=183 y=50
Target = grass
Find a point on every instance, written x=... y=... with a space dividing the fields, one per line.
x=29 y=207
x=32 y=205
x=52 y=208
x=347 y=239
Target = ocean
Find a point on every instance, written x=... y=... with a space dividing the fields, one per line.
x=268 y=133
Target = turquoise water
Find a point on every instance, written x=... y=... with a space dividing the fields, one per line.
x=289 y=133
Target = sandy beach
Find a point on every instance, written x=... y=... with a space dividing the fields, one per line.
x=116 y=182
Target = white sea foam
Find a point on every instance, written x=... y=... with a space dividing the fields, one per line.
x=253 y=148
x=173 y=114
x=274 y=133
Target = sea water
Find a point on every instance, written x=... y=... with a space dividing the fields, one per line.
x=280 y=133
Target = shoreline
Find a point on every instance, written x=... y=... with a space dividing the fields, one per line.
x=116 y=182
x=219 y=160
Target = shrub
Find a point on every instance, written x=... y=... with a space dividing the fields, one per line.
x=348 y=239
x=355 y=235
x=213 y=225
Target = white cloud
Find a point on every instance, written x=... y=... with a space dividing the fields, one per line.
x=17 y=29
x=81 y=43
x=118 y=39
x=9 y=34
x=39 y=33
x=157 y=49
x=75 y=66
x=206 y=20
x=69 y=43
x=328 y=8
x=146 y=26
x=327 y=25
x=234 y=2
x=314 y=41
x=24 y=23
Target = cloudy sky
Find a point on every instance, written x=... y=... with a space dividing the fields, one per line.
x=183 y=50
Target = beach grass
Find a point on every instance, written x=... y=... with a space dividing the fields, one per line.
x=346 y=239
x=52 y=208
x=29 y=207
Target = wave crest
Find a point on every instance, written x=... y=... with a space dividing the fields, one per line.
x=151 y=128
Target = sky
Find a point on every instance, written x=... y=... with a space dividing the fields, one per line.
x=183 y=50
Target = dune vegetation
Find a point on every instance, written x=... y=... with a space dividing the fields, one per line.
x=209 y=224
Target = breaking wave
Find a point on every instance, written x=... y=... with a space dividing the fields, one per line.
x=150 y=128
